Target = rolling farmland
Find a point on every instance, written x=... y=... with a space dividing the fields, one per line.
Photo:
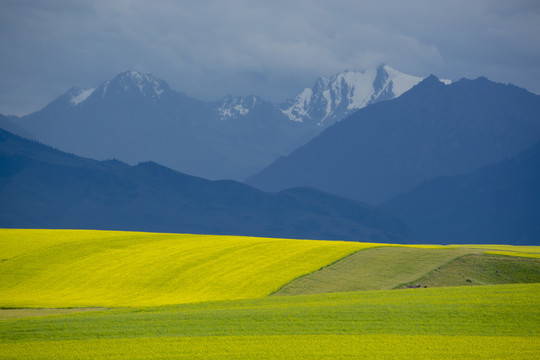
x=173 y=296
x=74 y=269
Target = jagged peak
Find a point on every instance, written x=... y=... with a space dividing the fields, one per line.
x=430 y=84
x=132 y=80
x=432 y=78
x=352 y=79
x=136 y=76
x=431 y=81
x=347 y=91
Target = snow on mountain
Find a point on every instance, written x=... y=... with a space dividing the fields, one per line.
x=299 y=106
x=78 y=95
x=232 y=107
x=134 y=82
x=331 y=99
x=140 y=117
x=399 y=81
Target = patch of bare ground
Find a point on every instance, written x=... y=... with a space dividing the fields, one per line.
x=6 y=314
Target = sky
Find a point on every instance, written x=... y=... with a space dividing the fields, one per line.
x=273 y=49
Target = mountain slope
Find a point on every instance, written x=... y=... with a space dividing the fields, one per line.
x=133 y=117
x=432 y=130
x=8 y=125
x=495 y=204
x=44 y=188
x=136 y=117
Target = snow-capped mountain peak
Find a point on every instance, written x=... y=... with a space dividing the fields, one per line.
x=232 y=107
x=134 y=82
x=333 y=98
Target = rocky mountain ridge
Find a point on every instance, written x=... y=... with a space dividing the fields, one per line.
x=137 y=117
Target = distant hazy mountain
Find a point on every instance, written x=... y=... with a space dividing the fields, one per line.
x=495 y=204
x=432 y=130
x=44 y=188
x=133 y=117
x=136 y=117
x=7 y=124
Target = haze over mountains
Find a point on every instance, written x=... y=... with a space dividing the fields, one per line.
x=44 y=188
x=454 y=161
x=136 y=117
x=432 y=130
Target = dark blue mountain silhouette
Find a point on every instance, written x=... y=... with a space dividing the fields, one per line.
x=44 y=188
x=495 y=204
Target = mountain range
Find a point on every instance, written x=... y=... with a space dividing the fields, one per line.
x=136 y=117
x=432 y=130
x=41 y=187
x=457 y=162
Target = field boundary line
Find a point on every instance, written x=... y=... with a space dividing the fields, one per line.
x=328 y=265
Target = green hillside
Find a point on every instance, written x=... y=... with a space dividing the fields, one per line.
x=482 y=269
x=402 y=266
x=373 y=269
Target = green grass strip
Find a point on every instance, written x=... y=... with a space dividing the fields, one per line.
x=373 y=269
x=499 y=310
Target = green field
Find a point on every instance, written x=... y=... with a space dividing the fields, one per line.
x=390 y=267
x=170 y=296
x=376 y=269
x=484 y=322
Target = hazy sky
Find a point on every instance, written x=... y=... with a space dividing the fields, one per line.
x=273 y=49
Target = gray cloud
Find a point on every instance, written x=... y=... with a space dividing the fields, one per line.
x=208 y=49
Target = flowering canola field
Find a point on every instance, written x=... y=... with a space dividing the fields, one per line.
x=70 y=268
x=171 y=296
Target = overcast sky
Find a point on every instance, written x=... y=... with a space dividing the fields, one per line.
x=208 y=49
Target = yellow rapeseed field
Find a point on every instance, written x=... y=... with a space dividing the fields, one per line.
x=372 y=347
x=67 y=268
x=516 y=253
x=216 y=289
